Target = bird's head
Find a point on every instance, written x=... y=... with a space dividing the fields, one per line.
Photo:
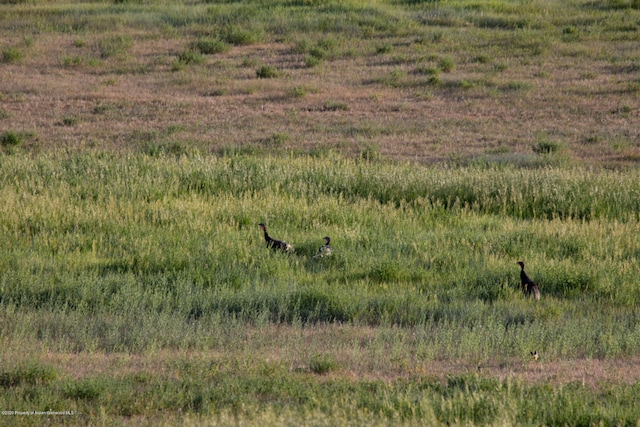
x=262 y=226
x=327 y=239
x=521 y=264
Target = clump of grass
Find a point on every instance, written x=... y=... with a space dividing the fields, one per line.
x=386 y=271
x=446 y=64
x=384 y=49
x=322 y=364
x=546 y=145
x=11 y=139
x=30 y=374
x=298 y=92
x=371 y=152
x=267 y=72
x=249 y=62
x=517 y=85
x=211 y=46
x=70 y=121
x=483 y=59
x=86 y=389
x=190 y=57
x=103 y=108
x=158 y=149
x=240 y=36
x=311 y=61
x=11 y=55
x=73 y=61
x=622 y=110
x=428 y=70
x=335 y=106
x=218 y=92
x=277 y=139
x=622 y=4
x=500 y=67
x=114 y=45
x=570 y=33
x=394 y=78
x=326 y=48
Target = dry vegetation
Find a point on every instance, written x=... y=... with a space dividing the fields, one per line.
x=435 y=82
x=355 y=356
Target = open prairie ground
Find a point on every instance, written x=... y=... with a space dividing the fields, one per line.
x=436 y=142
x=424 y=81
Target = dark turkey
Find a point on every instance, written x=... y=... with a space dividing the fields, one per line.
x=527 y=285
x=276 y=245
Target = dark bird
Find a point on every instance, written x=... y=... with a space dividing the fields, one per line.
x=527 y=285
x=273 y=243
x=324 y=250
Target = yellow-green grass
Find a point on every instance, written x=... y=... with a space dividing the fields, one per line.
x=160 y=257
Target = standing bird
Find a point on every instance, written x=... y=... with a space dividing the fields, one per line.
x=324 y=250
x=527 y=285
x=273 y=243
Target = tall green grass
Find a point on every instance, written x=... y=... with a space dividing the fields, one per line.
x=169 y=240
x=138 y=255
x=529 y=27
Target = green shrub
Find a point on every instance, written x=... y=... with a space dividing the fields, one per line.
x=84 y=389
x=10 y=139
x=446 y=64
x=240 y=36
x=428 y=70
x=266 y=72
x=190 y=57
x=73 y=61
x=210 y=46
x=384 y=48
x=545 y=145
x=311 y=61
x=30 y=374
x=298 y=92
x=322 y=364
x=11 y=54
x=70 y=121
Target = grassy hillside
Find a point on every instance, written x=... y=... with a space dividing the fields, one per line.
x=437 y=143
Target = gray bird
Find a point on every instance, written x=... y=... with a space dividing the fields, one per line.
x=324 y=250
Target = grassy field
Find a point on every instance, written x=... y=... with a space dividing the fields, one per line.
x=425 y=81
x=437 y=143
